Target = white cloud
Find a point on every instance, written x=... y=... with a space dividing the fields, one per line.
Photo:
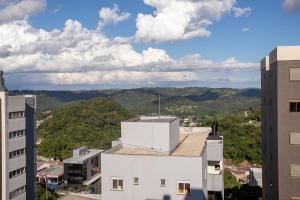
x=182 y=19
x=20 y=9
x=246 y=29
x=291 y=5
x=76 y=55
x=239 y=12
x=113 y=15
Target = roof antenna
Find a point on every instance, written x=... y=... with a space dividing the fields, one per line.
x=158 y=104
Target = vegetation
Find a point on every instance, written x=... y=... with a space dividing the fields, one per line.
x=177 y=101
x=242 y=141
x=94 y=123
x=230 y=181
x=41 y=192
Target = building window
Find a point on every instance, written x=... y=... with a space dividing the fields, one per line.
x=183 y=187
x=295 y=138
x=15 y=134
x=16 y=172
x=294 y=106
x=117 y=184
x=295 y=171
x=16 y=153
x=162 y=182
x=217 y=167
x=135 y=181
x=16 y=192
x=14 y=115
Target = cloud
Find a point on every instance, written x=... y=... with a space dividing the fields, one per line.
x=76 y=55
x=56 y=10
x=182 y=19
x=20 y=9
x=245 y=30
x=239 y=12
x=113 y=15
x=291 y=5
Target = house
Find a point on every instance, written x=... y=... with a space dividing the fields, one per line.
x=53 y=176
x=83 y=169
x=156 y=159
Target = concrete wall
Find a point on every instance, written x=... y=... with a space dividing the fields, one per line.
x=277 y=123
x=149 y=170
x=161 y=136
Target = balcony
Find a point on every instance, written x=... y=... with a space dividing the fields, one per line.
x=215 y=182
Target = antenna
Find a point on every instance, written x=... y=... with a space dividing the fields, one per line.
x=158 y=104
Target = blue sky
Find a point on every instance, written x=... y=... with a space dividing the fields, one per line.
x=216 y=46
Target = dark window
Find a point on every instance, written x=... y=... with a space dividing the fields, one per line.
x=14 y=115
x=294 y=106
x=163 y=182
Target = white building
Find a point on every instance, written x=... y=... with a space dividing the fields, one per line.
x=17 y=145
x=255 y=177
x=155 y=159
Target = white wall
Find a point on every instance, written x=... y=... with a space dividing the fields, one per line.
x=149 y=170
x=157 y=135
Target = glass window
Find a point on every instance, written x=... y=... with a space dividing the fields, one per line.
x=183 y=187
x=135 y=181
x=294 y=106
x=163 y=182
x=117 y=184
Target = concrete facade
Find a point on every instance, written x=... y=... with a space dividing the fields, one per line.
x=17 y=146
x=83 y=168
x=154 y=170
x=280 y=123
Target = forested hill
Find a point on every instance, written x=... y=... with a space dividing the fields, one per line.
x=177 y=101
x=94 y=123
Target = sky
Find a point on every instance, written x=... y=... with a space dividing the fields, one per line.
x=99 y=44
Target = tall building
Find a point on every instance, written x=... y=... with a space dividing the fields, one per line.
x=17 y=145
x=280 y=88
x=156 y=159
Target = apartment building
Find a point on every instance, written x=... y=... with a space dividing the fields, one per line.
x=83 y=169
x=280 y=87
x=17 y=145
x=156 y=159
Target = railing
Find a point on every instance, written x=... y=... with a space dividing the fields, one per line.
x=214 y=182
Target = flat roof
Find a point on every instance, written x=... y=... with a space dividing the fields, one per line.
x=80 y=159
x=52 y=171
x=192 y=143
x=162 y=119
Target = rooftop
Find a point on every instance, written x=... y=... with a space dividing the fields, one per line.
x=192 y=142
x=82 y=158
x=52 y=171
x=161 y=119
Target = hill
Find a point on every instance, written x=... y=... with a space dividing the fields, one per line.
x=93 y=123
x=177 y=101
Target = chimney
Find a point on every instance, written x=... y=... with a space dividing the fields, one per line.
x=215 y=128
x=2 y=84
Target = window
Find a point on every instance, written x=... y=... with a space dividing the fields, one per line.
x=14 y=115
x=294 y=74
x=295 y=171
x=294 y=138
x=16 y=153
x=15 y=134
x=183 y=187
x=135 y=181
x=16 y=172
x=217 y=167
x=162 y=182
x=294 y=106
x=117 y=184
x=16 y=192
